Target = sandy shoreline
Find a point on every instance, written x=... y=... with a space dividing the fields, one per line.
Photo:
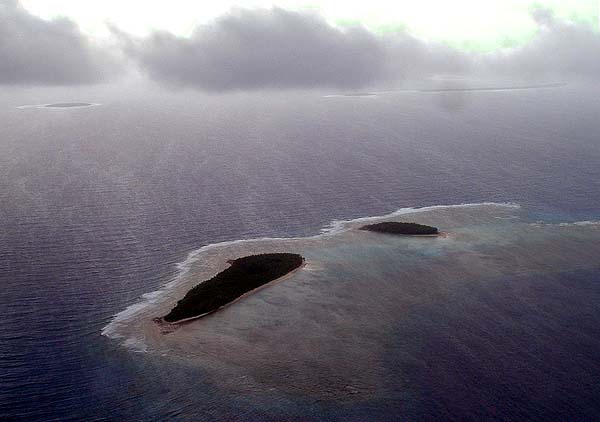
x=440 y=234
x=136 y=330
x=169 y=327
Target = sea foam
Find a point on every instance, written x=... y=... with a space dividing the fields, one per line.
x=116 y=328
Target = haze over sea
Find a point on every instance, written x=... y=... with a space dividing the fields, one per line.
x=103 y=206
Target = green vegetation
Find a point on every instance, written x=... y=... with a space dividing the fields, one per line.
x=393 y=227
x=244 y=274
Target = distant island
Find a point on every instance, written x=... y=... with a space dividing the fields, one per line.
x=360 y=94
x=491 y=88
x=393 y=227
x=352 y=94
x=244 y=275
x=68 y=105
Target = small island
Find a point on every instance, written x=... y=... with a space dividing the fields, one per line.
x=360 y=94
x=407 y=229
x=68 y=105
x=244 y=275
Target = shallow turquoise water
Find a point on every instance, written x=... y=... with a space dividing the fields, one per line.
x=487 y=310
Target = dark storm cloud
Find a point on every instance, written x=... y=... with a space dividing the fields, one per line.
x=35 y=51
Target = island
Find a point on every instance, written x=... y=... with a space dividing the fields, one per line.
x=360 y=94
x=409 y=229
x=68 y=105
x=491 y=88
x=244 y=275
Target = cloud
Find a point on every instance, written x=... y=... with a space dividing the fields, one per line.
x=248 y=49
x=409 y=58
x=275 y=48
x=272 y=48
x=35 y=51
x=560 y=50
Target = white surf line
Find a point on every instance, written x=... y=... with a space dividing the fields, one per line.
x=334 y=228
x=48 y=106
x=492 y=89
x=449 y=90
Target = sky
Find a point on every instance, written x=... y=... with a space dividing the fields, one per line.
x=292 y=44
x=470 y=24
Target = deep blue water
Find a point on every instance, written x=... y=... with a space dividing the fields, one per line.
x=99 y=204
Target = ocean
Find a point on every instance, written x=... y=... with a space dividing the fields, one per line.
x=108 y=214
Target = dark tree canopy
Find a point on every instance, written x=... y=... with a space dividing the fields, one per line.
x=244 y=274
x=393 y=227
